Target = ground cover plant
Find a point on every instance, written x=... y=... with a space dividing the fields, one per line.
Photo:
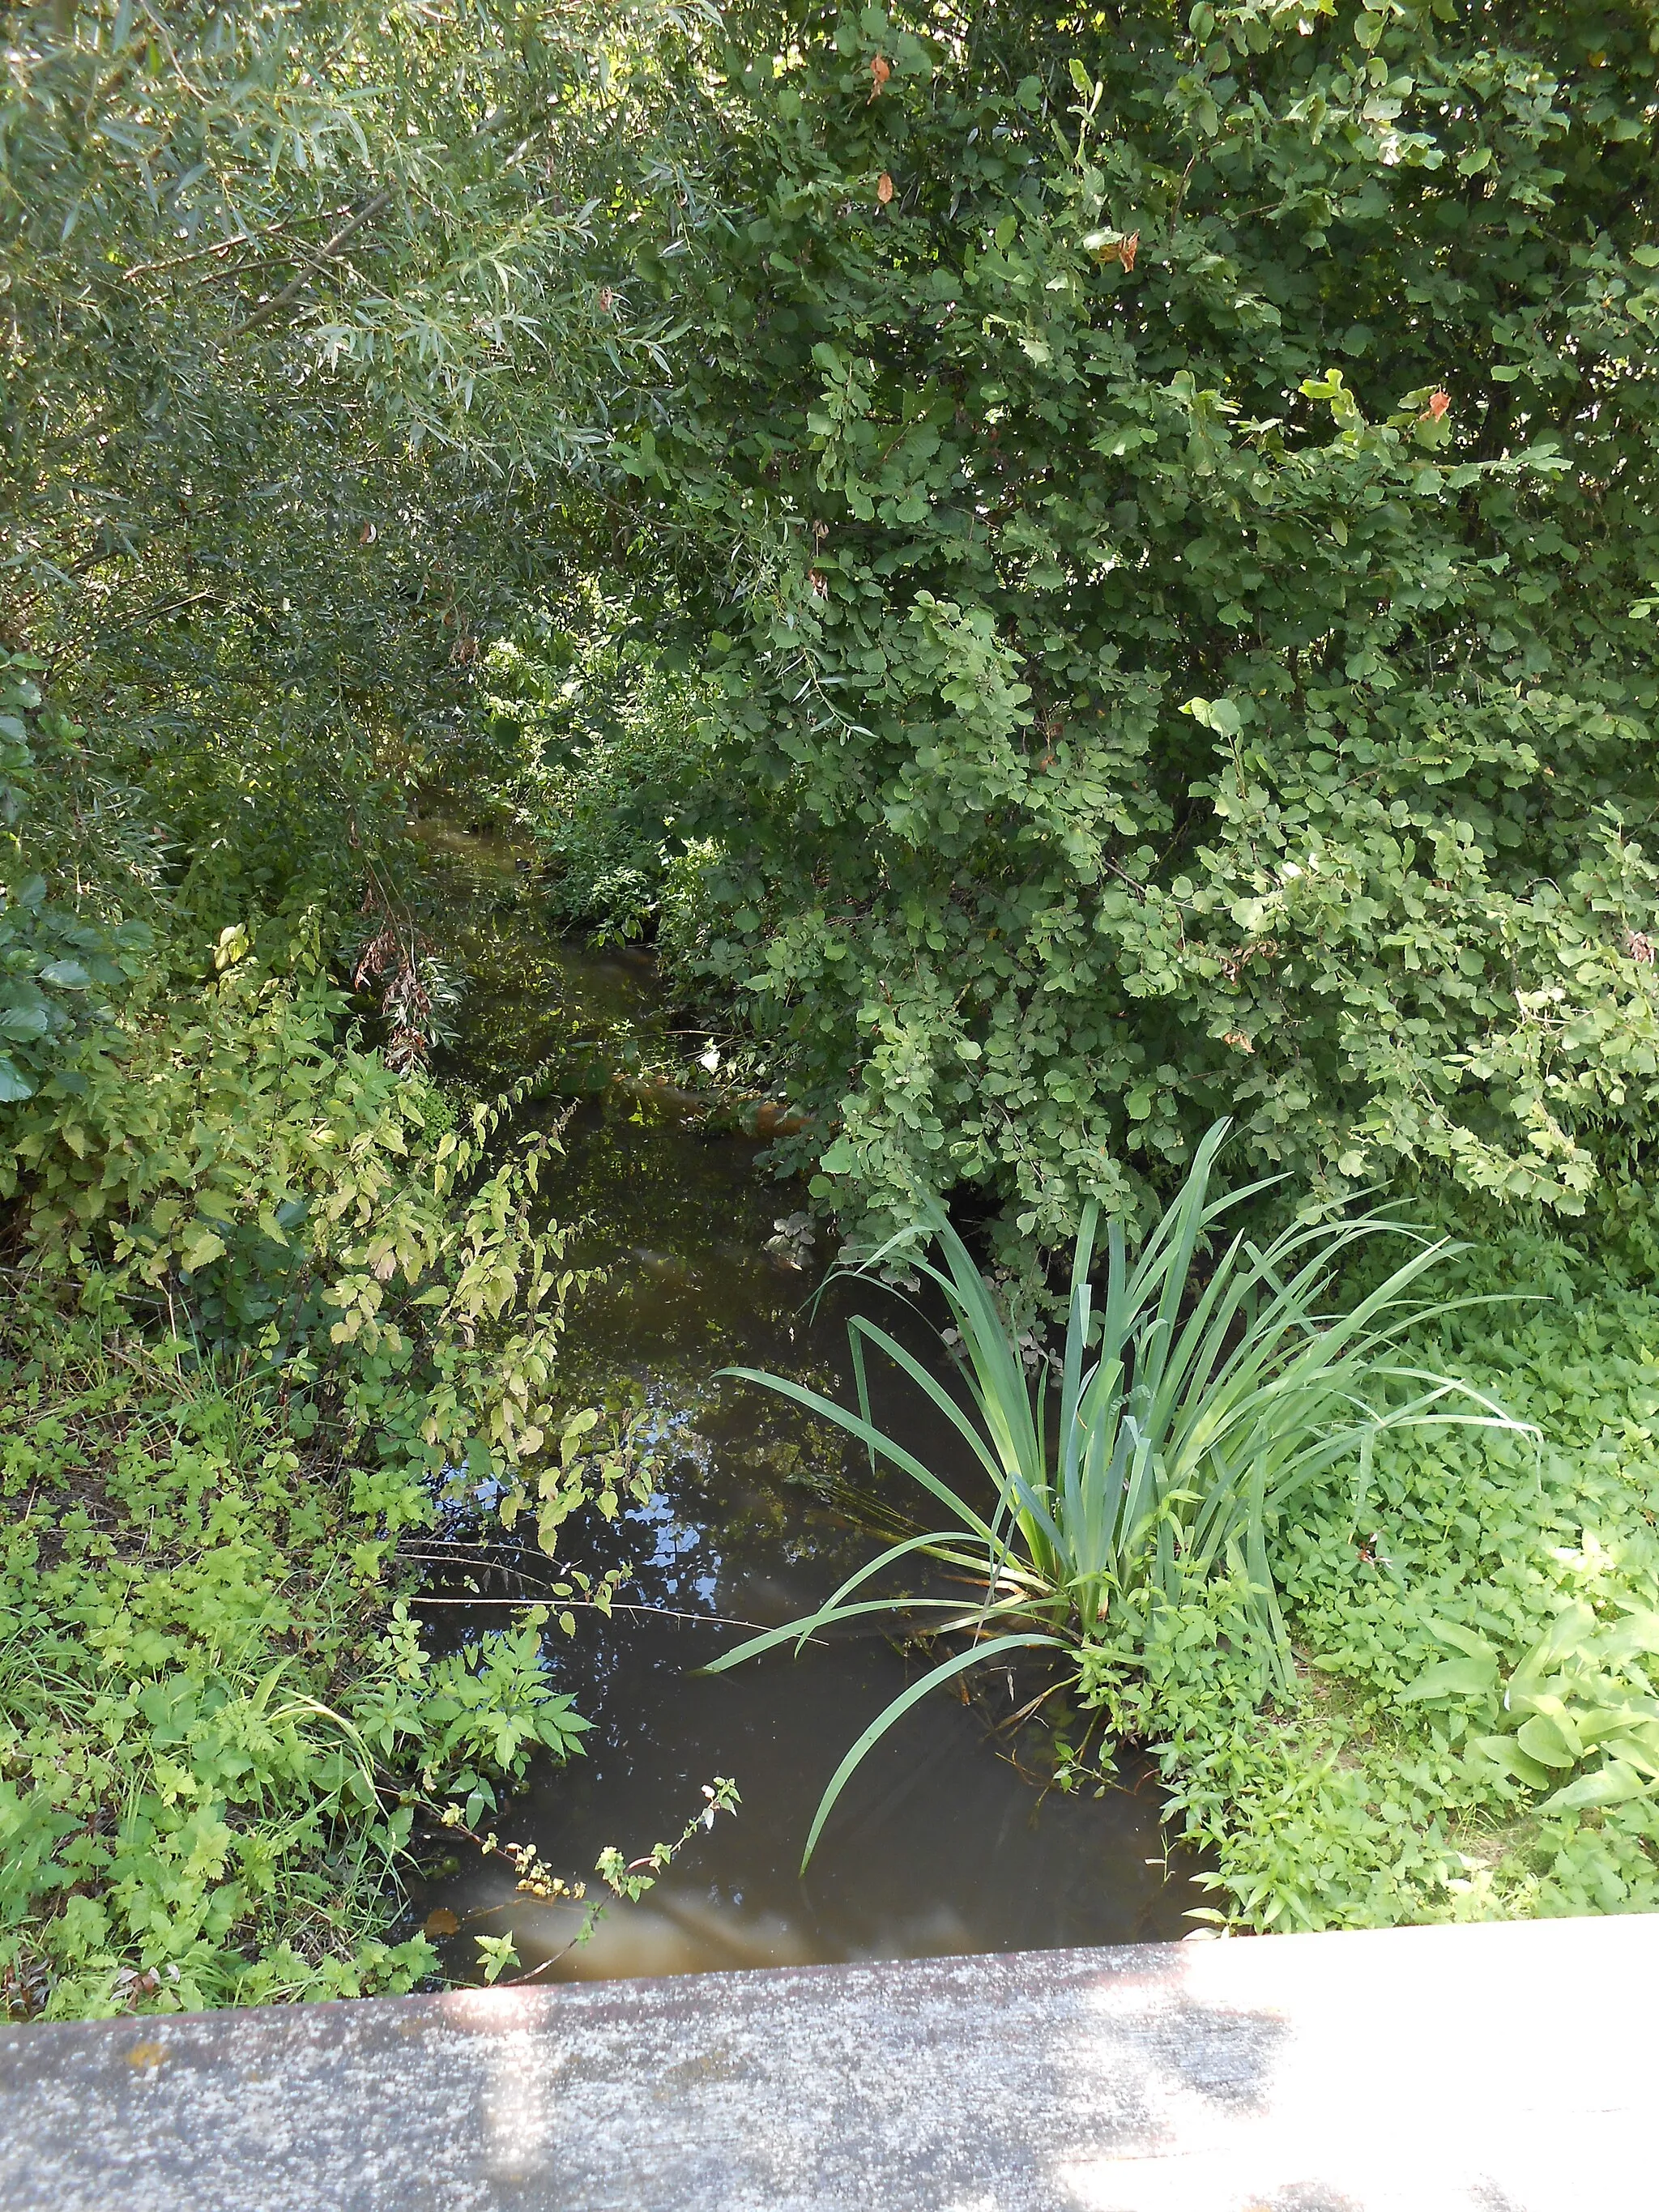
x=208 y=1714
x=1389 y=1790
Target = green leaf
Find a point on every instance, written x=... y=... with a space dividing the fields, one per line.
x=1460 y=1639
x=496 y=1954
x=1221 y=715
x=1551 y=1739
x=1615 y=1783
x=1501 y=1750
x=199 y=1248
x=1454 y=1678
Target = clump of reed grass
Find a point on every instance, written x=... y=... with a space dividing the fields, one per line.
x=1196 y=1398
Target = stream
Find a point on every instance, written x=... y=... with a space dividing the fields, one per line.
x=948 y=1838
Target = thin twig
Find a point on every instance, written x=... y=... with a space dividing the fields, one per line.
x=591 y=1605
x=326 y=253
x=219 y=246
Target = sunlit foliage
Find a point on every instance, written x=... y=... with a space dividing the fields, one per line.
x=1181 y=487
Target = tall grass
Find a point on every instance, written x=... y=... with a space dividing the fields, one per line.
x=1187 y=1413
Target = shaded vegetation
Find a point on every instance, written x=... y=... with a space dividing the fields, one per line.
x=1073 y=575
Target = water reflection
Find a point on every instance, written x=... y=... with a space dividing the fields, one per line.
x=945 y=1841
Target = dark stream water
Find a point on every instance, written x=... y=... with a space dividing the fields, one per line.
x=946 y=1840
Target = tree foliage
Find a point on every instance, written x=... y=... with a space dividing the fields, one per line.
x=300 y=309
x=1180 y=490
x=307 y=341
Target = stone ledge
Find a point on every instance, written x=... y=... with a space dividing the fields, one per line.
x=1509 y=2069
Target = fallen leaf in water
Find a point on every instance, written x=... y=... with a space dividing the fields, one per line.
x=442 y=1922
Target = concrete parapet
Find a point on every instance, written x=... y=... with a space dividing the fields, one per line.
x=1510 y=2068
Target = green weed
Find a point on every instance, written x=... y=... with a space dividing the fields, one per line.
x=1373 y=1797
x=211 y=1735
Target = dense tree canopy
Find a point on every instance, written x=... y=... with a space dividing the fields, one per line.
x=1181 y=490
x=305 y=352
x=1163 y=505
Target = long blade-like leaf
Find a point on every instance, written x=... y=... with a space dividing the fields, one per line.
x=867 y=1433
x=900 y=1706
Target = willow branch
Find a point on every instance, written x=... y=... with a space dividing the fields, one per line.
x=327 y=251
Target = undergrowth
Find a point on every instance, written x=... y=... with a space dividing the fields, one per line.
x=1351 y=1806
x=270 y=1306
x=207 y=1708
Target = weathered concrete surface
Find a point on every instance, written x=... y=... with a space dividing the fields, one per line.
x=1508 y=2068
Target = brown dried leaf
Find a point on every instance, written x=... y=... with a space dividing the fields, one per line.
x=880 y=69
x=883 y=188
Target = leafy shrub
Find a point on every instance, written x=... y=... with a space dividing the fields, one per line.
x=303 y=1200
x=204 y=1725
x=1177 y=495
x=271 y=1305
x=606 y=742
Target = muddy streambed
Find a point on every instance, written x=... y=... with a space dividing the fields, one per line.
x=948 y=1838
